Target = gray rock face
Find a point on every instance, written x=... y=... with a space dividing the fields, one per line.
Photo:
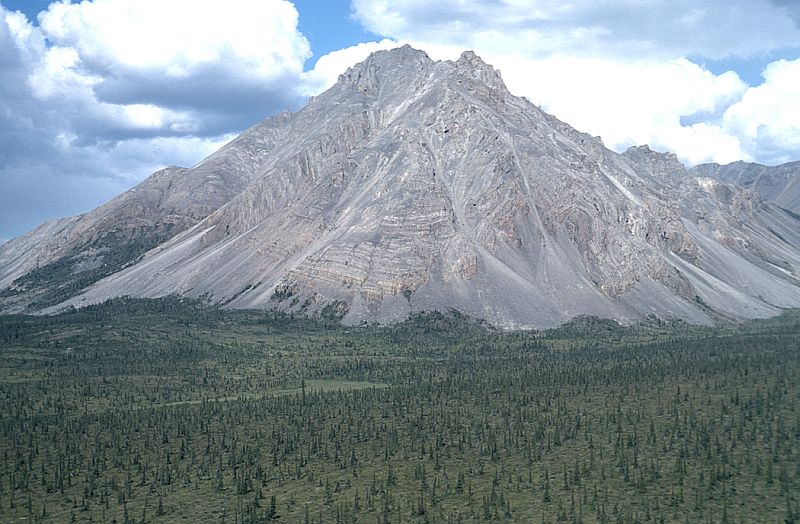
x=778 y=184
x=62 y=257
x=417 y=185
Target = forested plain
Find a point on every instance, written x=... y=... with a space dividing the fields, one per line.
x=139 y=411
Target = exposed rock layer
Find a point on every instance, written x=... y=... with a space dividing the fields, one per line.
x=778 y=184
x=414 y=184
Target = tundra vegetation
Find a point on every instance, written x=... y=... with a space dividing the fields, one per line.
x=139 y=411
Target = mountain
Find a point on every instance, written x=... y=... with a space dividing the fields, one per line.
x=778 y=184
x=417 y=185
x=61 y=257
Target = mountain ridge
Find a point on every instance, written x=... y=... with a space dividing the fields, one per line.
x=415 y=185
x=779 y=184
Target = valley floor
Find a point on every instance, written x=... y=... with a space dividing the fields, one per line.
x=165 y=411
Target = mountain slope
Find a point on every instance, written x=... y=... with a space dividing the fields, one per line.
x=61 y=257
x=778 y=184
x=414 y=184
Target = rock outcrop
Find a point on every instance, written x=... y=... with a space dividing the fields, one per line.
x=418 y=185
x=778 y=184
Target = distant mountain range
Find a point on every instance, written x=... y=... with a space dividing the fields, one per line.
x=779 y=184
x=418 y=185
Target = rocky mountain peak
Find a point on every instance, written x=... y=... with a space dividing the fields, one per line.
x=401 y=65
x=395 y=76
x=646 y=154
x=419 y=185
x=471 y=65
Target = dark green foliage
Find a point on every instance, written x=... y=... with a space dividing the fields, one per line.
x=281 y=293
x=64 y=278
x=168 y=411
x=335 y=310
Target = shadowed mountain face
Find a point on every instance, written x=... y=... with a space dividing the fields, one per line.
x=62 y=257
x=420 y=185
x=778 y=184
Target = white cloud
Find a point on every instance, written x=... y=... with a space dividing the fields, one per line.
x=253 y=38
x=102 y=93
x=768 y=116
x=631 y=102
x=664 y=28
x=328 y=68
x=619 y=69
x=191 y=59
x=700 y=143
x=625 y=102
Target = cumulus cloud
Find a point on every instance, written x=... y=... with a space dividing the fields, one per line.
x=667 y=28
x=176 y=67
x=619 y=69
x=64 y=180
x=768 y=116
x=328 y=68
x=627 y=102
x=99 y=94
x=95 y=95
x=632 y=102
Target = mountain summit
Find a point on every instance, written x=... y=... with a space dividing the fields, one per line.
x=417 y=185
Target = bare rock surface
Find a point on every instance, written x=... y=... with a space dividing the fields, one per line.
x=417 y=185
x=62 y=257
x=778 y=184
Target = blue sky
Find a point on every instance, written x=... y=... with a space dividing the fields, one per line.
x=329 y=25
x=96 y=95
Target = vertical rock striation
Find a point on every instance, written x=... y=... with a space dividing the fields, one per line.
x=417 y=185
